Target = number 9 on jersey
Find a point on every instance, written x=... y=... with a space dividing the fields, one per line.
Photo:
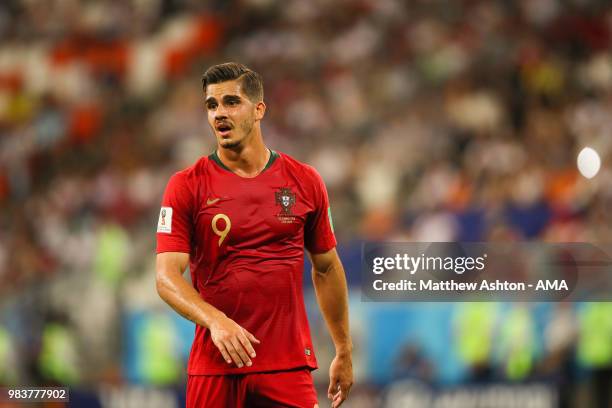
x=221 y=233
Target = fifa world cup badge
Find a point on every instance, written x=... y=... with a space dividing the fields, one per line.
x=164 y=224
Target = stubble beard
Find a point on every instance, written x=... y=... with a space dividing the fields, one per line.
x=230 y=144
x=246 y=128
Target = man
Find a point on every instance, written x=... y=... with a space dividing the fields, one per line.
x=241 y=218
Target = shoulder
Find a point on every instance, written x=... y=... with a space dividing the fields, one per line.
x=186 y=185
x=191 y=174
x=300 y=169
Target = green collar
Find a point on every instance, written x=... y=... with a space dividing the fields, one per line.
x=216 y=159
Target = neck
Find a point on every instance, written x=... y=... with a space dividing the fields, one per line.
x=247 y=160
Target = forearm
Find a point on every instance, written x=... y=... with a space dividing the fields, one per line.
x=185 y=300
x=332 y=295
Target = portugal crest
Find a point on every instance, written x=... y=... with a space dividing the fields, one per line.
x=286 y=199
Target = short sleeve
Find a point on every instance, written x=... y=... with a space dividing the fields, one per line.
x=319 y=232
x=174 y=226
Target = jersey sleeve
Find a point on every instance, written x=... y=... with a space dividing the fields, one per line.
x=174 y=226
x=319 y=232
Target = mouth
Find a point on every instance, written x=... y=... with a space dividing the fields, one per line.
x=223 y=129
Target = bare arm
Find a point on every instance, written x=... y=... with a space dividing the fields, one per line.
x=233 y=341
x=332 y=294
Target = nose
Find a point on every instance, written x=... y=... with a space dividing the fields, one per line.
x=220 y=112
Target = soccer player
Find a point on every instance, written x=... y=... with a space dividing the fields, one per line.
x=240 y=218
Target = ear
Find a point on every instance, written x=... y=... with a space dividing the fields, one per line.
x=260 y=110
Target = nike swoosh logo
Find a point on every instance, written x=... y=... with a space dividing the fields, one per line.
x=212 y=201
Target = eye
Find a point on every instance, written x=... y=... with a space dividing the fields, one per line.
x=211 y=105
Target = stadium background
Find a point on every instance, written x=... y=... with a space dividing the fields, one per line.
x=429 y=121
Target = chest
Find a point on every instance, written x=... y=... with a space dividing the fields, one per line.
x=250 y=213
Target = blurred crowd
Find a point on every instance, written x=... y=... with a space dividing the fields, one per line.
x=429 y=120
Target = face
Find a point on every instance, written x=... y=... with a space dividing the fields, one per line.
x=231 y=114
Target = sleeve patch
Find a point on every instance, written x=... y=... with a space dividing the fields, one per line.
x=165 y=220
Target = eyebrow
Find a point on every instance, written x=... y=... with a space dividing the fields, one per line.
x=231 y=98
x=226 y=98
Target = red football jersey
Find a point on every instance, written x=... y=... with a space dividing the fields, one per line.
x=246 y=238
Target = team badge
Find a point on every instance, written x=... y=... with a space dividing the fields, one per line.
x=286 y=199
